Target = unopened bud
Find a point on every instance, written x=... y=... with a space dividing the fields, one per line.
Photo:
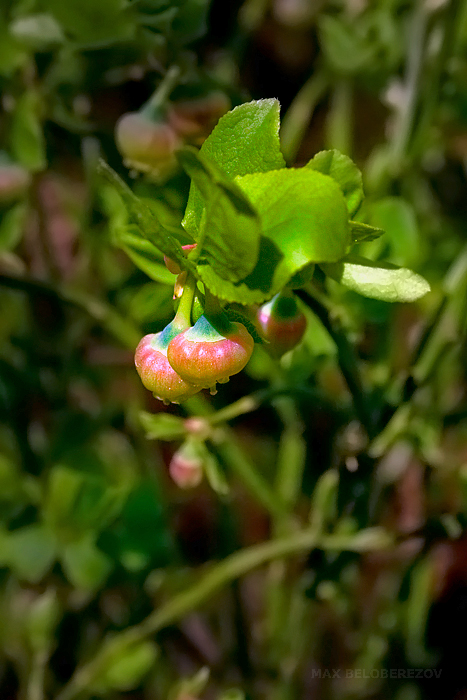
x=186 y=466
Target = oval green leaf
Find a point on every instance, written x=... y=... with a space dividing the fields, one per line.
x=377 y=280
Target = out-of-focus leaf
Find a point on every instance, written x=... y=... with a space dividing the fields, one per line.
x=38 y=31
x=142 y=215
x=122 y=663
x=30 y=551
x=12 y=226
x=92 y=22
x=43 y=617
x=84 y=564
x=12 y=53
x=27 y=137
x=190 y=687
x=214 y=474
x=324 y=500
x=162 y=426
x=397 y=218
x=145 y=256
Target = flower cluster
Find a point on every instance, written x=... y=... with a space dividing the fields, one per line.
x=183 y=359
x=177 y=363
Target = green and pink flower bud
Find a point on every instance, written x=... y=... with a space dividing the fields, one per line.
x=172 y=265
x=147 y=144
x=14 y=181
x=155 y=371
x=281 y=323
x=186 y=466
x=210 y=351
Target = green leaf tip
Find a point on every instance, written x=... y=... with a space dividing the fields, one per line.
x=245 y=140
x=343 y=170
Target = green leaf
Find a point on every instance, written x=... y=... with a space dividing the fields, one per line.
x=121 y=663
x=377 y=280
x=149 y=303
x=303 y=214
x=214 y=474
x=30 y=552
x=190 y=688
x=85 y=566
x=304 y=220
x=93 y=22
x=162 y=426
x=44 y=615
x=229 y=230
x=364 y=232
x=344 y=171
x=13 y=54
x=39 y=31
x=324 y=500
x=144 y=255
x=190 y=23
x=143 y=216
x=233 y=694
x=12 y=224
x=397 y=217
x=240 y=292
x=27 y=137
x=78 y=501
x=245 y=140
x=343 y=47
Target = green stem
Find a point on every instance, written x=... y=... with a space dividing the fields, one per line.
x=299 y=114
x=35 y=687
x=240 y=464
x=233 y=455
x=292 y=452
x=246 y=404
x=183 y=315
x=339 y=123
x=405 y=121
x=346 y=357
x=449 y=25
x=223 y=573
x=162 y=93
x=118 y=326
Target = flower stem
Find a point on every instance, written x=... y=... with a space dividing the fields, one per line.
x=183 y=315
x=346 y=357
x=162 y=93
x=223 y=573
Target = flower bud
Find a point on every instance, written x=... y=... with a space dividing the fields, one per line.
x=172 y=265
x=210 y=351
x=282 y=323
x=186 y=466
x=14 y=181
x=155 y=371
x=146 y=144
